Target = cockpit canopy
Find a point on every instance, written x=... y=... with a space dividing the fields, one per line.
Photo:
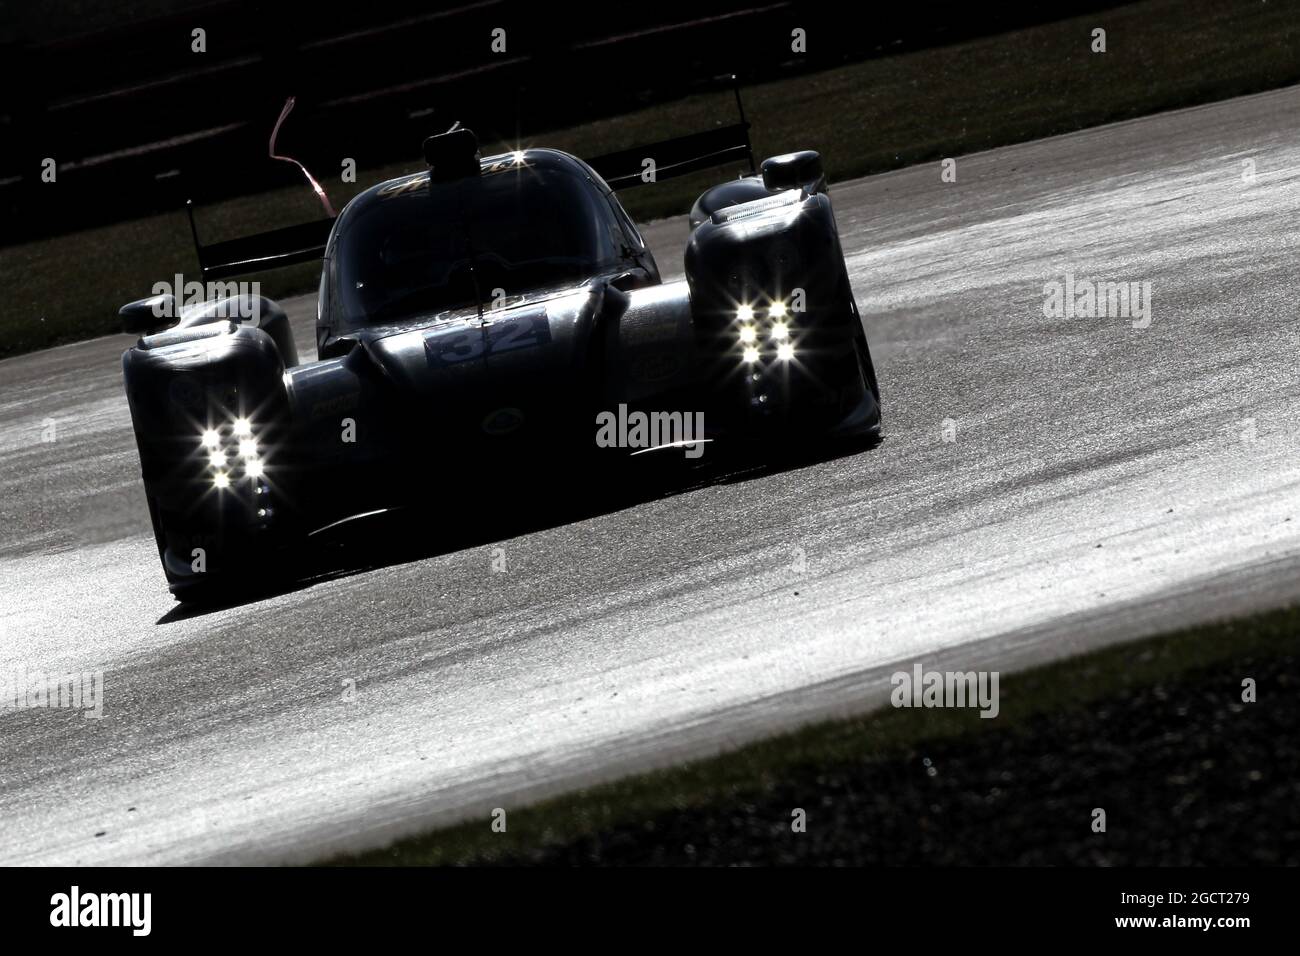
x=410 y=248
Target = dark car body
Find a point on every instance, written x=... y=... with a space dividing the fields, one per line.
x=481 y=323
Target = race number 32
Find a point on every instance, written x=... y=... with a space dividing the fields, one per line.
x=503 y=335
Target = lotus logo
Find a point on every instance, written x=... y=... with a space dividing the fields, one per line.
x=503 y=421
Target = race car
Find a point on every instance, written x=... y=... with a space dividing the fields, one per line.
x=490 y=317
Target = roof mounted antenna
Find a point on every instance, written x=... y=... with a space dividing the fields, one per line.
x=452 y=155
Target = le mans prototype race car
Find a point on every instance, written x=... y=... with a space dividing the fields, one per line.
x=489 y=316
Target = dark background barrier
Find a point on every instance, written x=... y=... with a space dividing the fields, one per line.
x=137 y=121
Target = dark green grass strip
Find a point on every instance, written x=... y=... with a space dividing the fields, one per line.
x=1154 y=732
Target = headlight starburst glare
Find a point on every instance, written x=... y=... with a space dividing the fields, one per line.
x=752 y=330
x=232 y=451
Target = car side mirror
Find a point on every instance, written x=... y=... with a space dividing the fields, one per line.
x=801 y=170
x=627 y=281
x=148 y=315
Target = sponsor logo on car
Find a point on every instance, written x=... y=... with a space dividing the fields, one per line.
x=503 y=421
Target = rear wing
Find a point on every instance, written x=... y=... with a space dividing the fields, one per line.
x=677 y=157
x=287 y=246
x=624 y=169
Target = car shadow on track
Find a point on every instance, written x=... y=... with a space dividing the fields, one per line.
x=404 y=535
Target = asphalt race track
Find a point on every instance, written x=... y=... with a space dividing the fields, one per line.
x=1102 y=482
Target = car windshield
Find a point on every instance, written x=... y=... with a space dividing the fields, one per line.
x=416 y=249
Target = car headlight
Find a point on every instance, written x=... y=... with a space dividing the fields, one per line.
x=769 y=324
x=232 y=453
